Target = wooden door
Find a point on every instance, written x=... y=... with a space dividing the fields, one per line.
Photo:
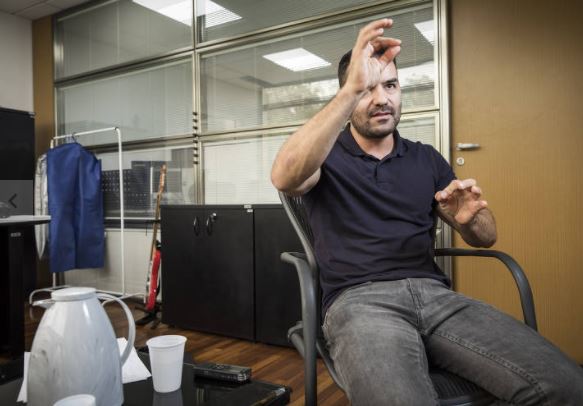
x=516 y=71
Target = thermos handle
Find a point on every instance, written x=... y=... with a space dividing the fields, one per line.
x=45 y=303
x=131 y=325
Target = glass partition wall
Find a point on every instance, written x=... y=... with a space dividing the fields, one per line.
x=213 y=88
x=257 y=87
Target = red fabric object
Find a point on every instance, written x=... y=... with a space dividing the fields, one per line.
x=153 y=282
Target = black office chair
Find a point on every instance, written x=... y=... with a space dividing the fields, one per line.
x=307 y=337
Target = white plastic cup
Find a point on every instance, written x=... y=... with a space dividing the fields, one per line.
x=77 y=400
x=166 y=359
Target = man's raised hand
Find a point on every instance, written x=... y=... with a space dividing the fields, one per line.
x=370 y=56
x=461 y=200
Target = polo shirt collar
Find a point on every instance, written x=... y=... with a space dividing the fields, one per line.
x=349 y=143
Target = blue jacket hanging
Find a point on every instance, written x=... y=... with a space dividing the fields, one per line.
x=76 y=230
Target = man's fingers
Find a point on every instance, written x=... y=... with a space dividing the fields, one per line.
x=476 y=190
x=457 y=184
x=442 y=196
x=371 y=31
x=386 y=49
x=479 y=205
x=389 y=55
x=382 y=43
x=468 y=183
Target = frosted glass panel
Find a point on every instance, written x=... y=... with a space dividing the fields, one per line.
x=420 y=129
x=121 y=31
x=261 y=86
x=239 y=171
x=153 y=102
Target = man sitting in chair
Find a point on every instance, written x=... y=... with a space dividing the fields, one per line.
x=371 y=198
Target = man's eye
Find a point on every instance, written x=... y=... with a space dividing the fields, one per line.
x=391 y=85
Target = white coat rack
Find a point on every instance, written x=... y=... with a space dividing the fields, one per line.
x=75 y=135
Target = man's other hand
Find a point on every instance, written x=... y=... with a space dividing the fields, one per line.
x=370 y=56
x=461 y=200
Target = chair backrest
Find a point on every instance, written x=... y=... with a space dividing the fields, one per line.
x=296 y=212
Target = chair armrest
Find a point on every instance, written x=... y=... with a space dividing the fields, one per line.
x=307 y=286
x=309 y=322
x=518 y=274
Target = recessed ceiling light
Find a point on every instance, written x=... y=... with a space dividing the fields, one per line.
x=181 y=10
x=178 y=10
x=215 y=14
x=426 y=29
x=297 y=59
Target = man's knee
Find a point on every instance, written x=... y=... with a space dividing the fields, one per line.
x=565 y=387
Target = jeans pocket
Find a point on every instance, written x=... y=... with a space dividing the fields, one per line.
x=343 y=296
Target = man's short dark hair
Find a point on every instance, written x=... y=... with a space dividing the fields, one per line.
x=343 y=67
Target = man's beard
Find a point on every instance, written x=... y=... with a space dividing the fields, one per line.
x=363 y=124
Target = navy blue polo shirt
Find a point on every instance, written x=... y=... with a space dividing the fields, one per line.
x=373 y=220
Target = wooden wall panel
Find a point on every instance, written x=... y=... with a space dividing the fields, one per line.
x=517 y=89
x=44 y=123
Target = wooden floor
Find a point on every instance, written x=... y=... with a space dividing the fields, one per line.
x=269 y=363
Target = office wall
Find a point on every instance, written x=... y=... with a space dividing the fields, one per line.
x=517 y=90
x=15 y=63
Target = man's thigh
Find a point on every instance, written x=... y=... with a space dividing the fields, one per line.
x=377 y=351
x=505 y=357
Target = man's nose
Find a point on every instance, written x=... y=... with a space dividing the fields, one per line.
x=379 y=96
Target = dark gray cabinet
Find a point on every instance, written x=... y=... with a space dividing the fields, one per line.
x=277 y=289
x=222 y=273
x=17 y=248
x=207 y=269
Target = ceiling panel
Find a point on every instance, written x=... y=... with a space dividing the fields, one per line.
x=65 y=4
x=34 y=9
x=12 y=6
x=37 y=11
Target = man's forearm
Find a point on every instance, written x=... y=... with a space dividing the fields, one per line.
x=305 y=151
x=481 y=231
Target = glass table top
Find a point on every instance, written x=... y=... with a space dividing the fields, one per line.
x=195 y=391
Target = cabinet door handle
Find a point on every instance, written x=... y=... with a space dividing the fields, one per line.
x=196 y=225
x=209 y=223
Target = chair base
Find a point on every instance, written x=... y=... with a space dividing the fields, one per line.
x=453 y=390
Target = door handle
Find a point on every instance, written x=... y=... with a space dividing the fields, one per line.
x=209 y=223
x=466 y=146
x=196 y=225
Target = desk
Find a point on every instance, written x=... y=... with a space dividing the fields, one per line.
x=194 y=392
x=11 y=285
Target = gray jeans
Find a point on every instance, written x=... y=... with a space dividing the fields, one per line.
x=381 y=335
